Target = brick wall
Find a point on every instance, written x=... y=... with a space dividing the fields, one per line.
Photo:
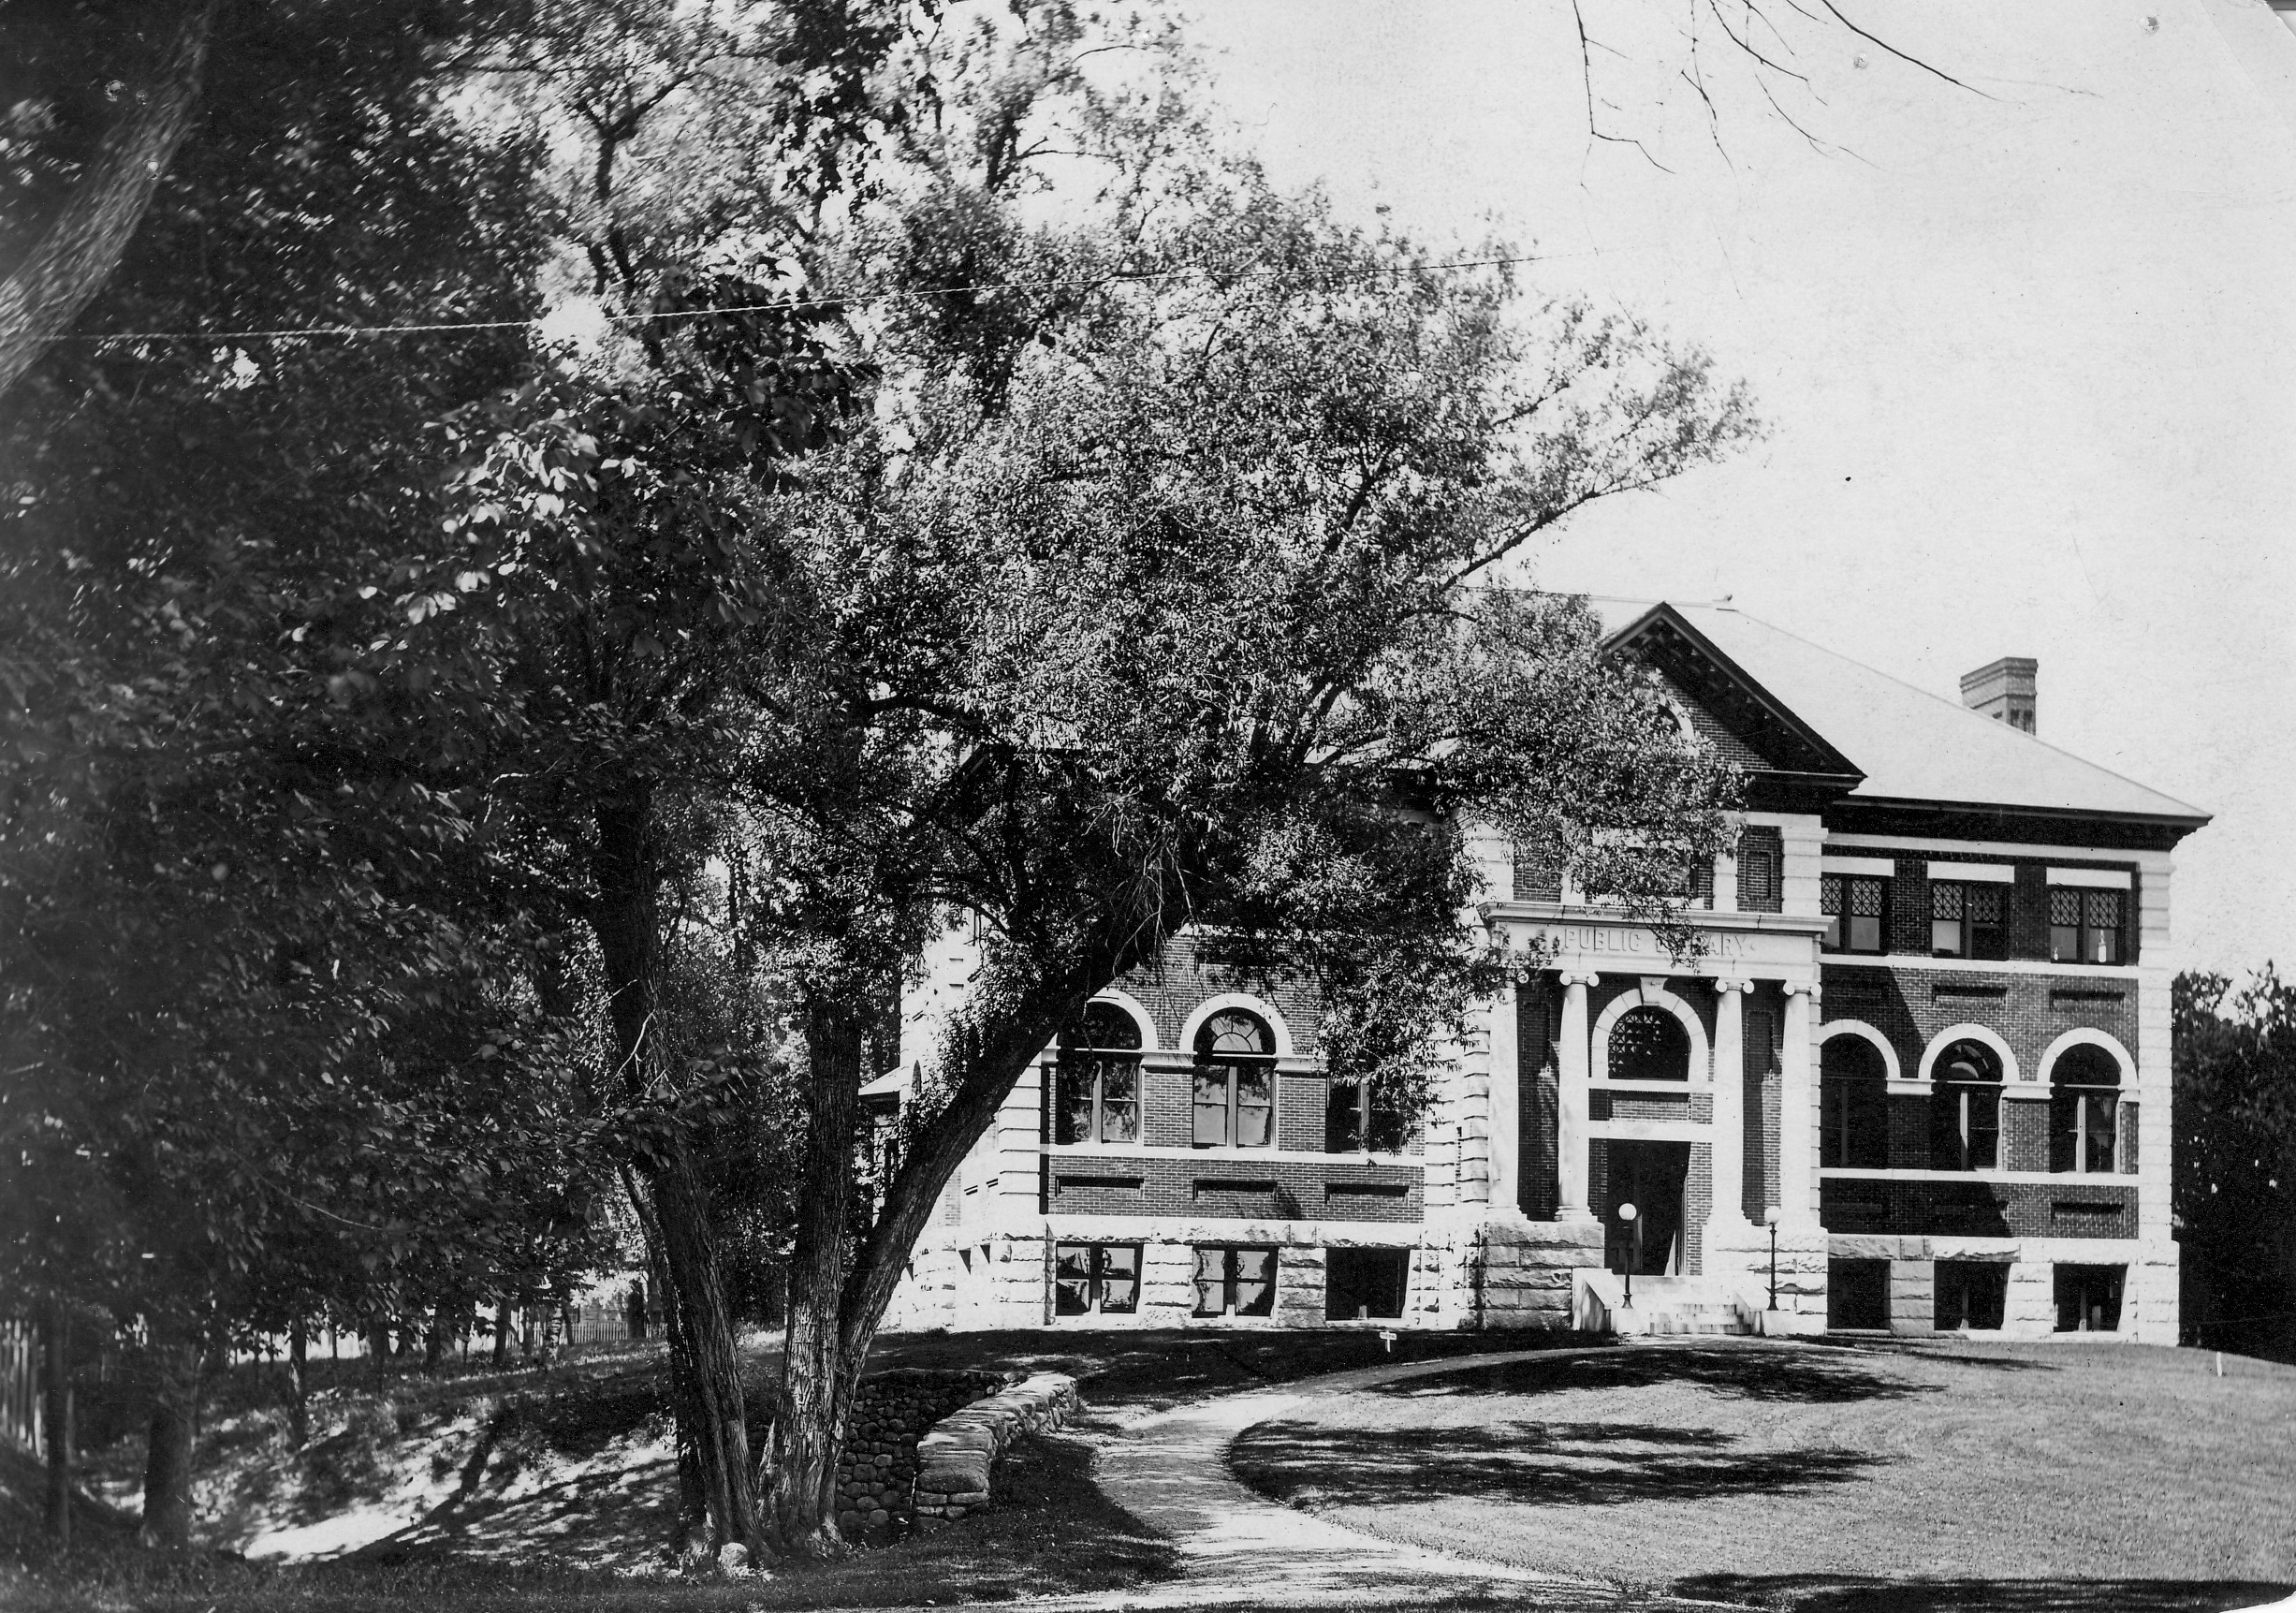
x=1912 y=1007
x=1264 y=1186
x=2070 y=1207
x=1171 y=988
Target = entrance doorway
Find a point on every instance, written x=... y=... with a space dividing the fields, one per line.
x=1650 y=1175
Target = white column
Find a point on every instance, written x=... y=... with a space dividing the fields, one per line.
x=1728 y=1127
x=1571 y=1107
x=1506 y=1106
x=1797 y=1193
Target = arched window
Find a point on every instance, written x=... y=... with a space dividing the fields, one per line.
x=1964 y=1107
x=1235 y=1081
x=2084 y=1097
x=1649 y=1044
x=1096 y=1094
x=1853 y=1096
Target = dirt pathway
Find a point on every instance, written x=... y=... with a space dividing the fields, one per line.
x=1237 y=1546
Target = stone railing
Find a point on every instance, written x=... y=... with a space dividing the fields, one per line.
x=953 y=1461
x=891 y=1412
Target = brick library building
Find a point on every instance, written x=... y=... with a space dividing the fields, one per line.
x=1917 y=1078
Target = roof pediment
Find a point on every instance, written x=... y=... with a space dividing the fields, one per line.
x=1765 y=727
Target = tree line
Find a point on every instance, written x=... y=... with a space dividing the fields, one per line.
x=740 y=488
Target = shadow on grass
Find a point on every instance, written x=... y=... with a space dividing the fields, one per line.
x=1543 y=1464
x=1832 y=1594
x=1748 y=1373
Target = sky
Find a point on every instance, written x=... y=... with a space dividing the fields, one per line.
x=2025 y=342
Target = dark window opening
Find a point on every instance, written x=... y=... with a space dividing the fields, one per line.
x=1966 y=919
x=1096 y=1092
x=1235 y=1282
x=1970 y=1293
x=1234 y=1099
x=1853 y=1101
x=1857 y=1294
x=1965 y=1108
x=1649 y=1044
x=2085 y=1111
x=1857 y=911
x=1365 y=1116
x=2085 y=925
x=1095 y=1279
x=1364 y=1282
x=2088 y=1299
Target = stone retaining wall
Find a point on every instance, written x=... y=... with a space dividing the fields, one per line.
x=891 y=1413
x=953 y=1461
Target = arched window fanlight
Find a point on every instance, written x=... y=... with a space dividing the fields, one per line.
x=2085 y=1099
x=1853 y=1096
x=1234 y=1081
x=1965 y=1107
x=1096 y=1091
x=1649 y=1044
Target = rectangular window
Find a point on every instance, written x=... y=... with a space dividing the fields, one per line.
x=1857 y=910
x=1095 y=1279
x=1966 y=1126
x=2085 y=925
x=1970 y=1294
x=1096 y=1099
x=2082 y=1129
x=1364 y=1117
x=1212 y=1106
x=1235 y=1281
x=1965 y=920
x=1235 y=1103
x=1364 y=1282
x=2088 y=1299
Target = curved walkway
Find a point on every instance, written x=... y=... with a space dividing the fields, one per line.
x=1236 y=1545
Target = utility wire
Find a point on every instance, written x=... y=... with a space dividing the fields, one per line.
x=291 y=332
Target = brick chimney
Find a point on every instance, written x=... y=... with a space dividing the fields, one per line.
x=2003 y=690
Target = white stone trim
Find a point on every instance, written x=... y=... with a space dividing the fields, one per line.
x=1975 y=873
x=2079 y=1034
x=1952 y=1033
x=2148 y=862
x=1876 y=867
x=1599 y=1038
x=1186 y=1042
x=1916 y=961
x=1832 y=1028
x=2092 y=878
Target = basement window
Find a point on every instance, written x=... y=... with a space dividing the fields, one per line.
x=1235 y=1281
x=1095 y=1279
x=1970 y=1293
x=1360 y=1283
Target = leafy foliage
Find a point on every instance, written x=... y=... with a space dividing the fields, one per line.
x=2235 y=1188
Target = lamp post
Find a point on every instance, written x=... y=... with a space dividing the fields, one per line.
x=1634 y=1248
x=1771 y=1217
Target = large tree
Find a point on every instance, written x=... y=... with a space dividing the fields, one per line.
x=2235 y=1145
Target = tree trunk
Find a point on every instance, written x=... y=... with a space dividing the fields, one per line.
x=809 y=1423
x=710 y=1395
x=57 y=1416
x=502 y=1334
x=81 y=247
x=626 y=920
x=685 y=1388
x=434 y=1341
x=167 y=1452
x=298 y=1381
x=378 y=1347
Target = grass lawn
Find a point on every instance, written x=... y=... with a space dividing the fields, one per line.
x=1827 y=1478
